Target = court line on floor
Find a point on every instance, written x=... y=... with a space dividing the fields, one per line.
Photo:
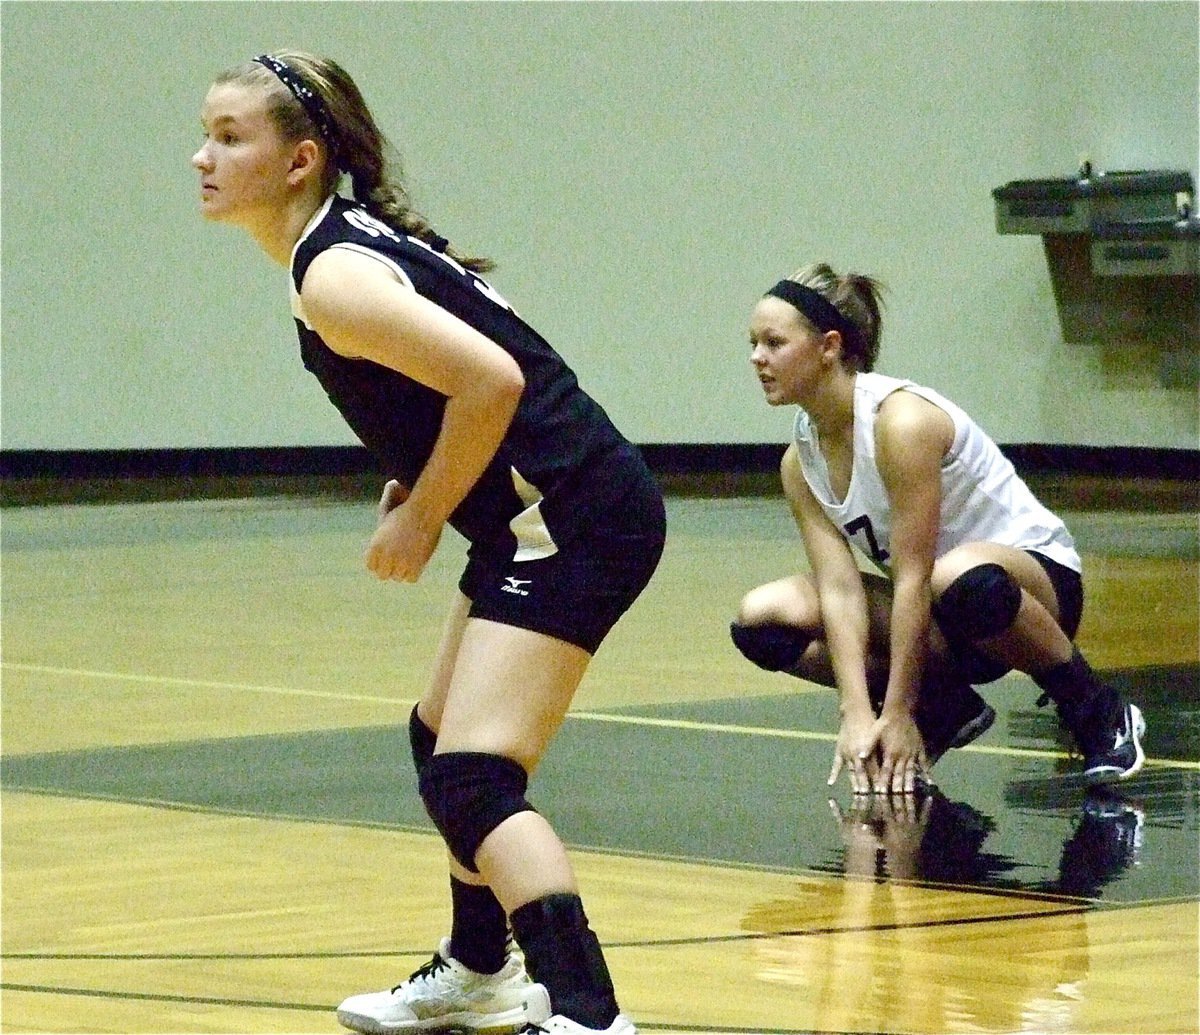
x=1053 y=909
x=204 y=684
x=158 y=997
x=264 y=1004
x=405 y=704
x=114 y=994
x=1028 y=894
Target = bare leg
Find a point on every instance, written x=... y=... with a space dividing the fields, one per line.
x=793 y=602
x=1105 y=726
x=1035 y=641
x=507 y=694
x=949 y=713
x=507 y=700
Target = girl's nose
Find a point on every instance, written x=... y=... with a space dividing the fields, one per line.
x=200 y=159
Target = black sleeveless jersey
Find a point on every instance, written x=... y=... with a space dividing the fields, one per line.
x=560 y=458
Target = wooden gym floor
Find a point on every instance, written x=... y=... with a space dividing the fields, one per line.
x=209 y=823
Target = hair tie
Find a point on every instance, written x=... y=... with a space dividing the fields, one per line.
x=816 y=308
x=307 y=97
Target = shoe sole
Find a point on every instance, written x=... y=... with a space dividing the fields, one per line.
x=462 y=1024
x=976 y=728
x=1111 y=774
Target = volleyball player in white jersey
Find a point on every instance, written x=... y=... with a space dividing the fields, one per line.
x=979 y=579
x=480 y=425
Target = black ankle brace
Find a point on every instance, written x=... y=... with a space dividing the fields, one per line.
x=1069 y=683
x=1084 y=701
x=562 y=953
x=479 y=932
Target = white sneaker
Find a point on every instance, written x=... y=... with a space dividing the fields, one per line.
x=542 y=1022
x=443 y=995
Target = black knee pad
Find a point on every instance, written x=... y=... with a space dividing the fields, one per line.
x=468 y=794
x=422 y=739
x=981 y=603
x=773 y=646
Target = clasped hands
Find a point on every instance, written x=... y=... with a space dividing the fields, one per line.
x=881 y=754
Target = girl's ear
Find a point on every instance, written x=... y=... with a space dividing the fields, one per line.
x=832 y=350
x=306 y=160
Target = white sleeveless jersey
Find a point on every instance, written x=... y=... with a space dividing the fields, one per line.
x=983 y=498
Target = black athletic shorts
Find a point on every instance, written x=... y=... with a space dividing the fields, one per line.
x=578 y=593
x=976 y=667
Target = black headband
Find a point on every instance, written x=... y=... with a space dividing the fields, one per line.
x=309 y=99
x=816 y=308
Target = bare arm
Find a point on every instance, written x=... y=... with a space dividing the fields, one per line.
x=912 y=436
x=361 y=310
x=843 y=602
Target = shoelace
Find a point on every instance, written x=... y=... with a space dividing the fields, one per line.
x=425 y=970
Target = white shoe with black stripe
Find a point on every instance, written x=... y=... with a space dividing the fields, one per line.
x=443 y=996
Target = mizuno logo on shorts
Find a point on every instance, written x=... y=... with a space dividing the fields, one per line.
x=514 y=586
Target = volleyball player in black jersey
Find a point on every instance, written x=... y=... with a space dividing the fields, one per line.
x=479 y=424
